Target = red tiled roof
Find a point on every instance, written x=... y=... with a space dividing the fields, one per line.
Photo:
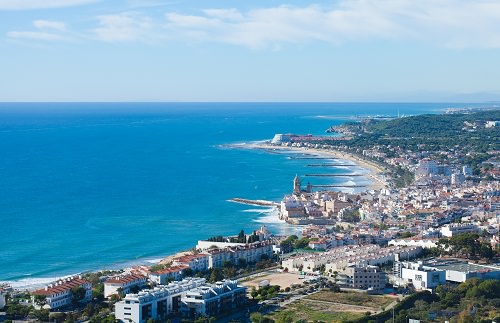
x=189 y=258
x=173 y=269
x=63 y=287
x=124 y=279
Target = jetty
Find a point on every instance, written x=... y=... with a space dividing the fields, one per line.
x=340 y=186
x=254 y=202
x=333 y=175
x=329 y=165
x=314 y=157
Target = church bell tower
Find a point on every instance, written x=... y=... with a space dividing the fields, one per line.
x=296 y=185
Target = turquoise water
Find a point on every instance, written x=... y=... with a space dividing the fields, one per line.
x=89 y=186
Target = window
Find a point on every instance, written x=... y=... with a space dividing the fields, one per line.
x=418 y=277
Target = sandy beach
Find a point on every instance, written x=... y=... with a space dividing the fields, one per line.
x=375 y=171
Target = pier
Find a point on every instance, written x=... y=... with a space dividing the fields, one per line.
x=333 y=175
x=341 y=186
x=329 y=165
x=254 y=202
x=314 y=158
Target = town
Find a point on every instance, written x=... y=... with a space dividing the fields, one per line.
x=422 y=245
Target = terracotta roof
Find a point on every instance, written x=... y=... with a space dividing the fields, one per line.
x=189 y=258
x=173 y=269
x=124 y=279
x=62 y=286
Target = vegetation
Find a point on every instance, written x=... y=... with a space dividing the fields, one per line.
x=462 y=136
x=471 y=301
x=466 y=245
x=293 y=242
x=351 y=216
x=265 y=292
x=352 y=298
x=307 y=311
x=240 y=238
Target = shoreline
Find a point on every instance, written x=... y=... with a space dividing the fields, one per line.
x=377 y=182
x=374 y=174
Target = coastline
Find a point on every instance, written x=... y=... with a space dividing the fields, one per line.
x=374 y=175
x=374 y=171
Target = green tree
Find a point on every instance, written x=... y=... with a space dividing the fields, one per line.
x=40 y=300
x=98 y=291
x=77 y=294
x=254 y=293
x=216 y=275
x=188 y=272
x=242 y=263
x=490 y=288
x=284 y=317
x=241 y=237
x=41 y=315
x=256 y=317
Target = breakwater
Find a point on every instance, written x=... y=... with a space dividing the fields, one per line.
x=254 y=202
x=333 y=175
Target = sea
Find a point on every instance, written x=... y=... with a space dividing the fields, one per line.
x=90 y=186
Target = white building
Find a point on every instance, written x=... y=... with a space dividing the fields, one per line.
x=492 y=124
x=161 y=277
x=58 y=294
x=457 y=179
x=251 y=253
x=426 y=167
x=198 y=262
x=424 y=243
x=2 y=299
x=467 y=171
x=418 y=275
x=364 y=277
x=123 y=283
x=214 y=299
x=155 y=303
x=337 y=259
x=453 y=229
x=459 y=271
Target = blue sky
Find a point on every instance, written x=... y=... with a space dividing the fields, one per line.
x=239 y=50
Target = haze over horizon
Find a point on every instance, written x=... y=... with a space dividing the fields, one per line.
x=237 y=51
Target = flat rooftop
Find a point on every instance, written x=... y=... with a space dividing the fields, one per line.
x=461 y=266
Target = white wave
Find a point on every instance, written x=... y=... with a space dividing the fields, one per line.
x=153 y=261
x=260 y=211
x=270 y=217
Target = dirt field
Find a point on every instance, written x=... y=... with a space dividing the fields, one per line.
x=284 y=280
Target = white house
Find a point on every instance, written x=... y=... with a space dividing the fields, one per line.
x=198 y=262
x=58 y=294
x=424 y=243
x=162 y=276
x=124 y=282
x=453 y=229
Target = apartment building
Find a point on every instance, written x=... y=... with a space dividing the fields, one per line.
x=214 y=299
x=123 y=284
x=155 y=303
x=191 y=298
x=163 y=276
x=362 y=277
x=417 y=275
x=58 y=294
